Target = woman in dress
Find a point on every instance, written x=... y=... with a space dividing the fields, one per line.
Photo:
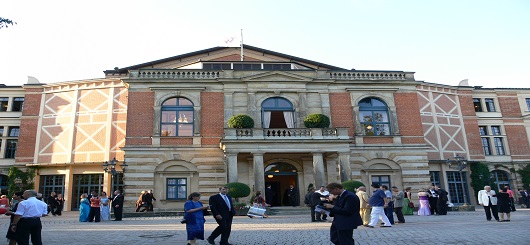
x=84 y=208
x=424 y=203
x=407 y=210
x=503 y=203
x=259 y=201
x=194 y=218
x=17 y=198
x=105 y=206
x=60 y=204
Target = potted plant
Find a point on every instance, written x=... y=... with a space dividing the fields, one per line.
x=352 y=185
x=237 y=190
x=316 y=121
x=240 y=121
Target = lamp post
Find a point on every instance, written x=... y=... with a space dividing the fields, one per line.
x=460 y=164
x=110 y=167
x=18 y=182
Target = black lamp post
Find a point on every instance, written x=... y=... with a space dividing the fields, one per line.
x=110 y=167
x=459 y=163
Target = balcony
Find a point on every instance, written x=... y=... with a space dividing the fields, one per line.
x=286 y=134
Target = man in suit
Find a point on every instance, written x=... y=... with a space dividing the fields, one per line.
x=441 y=205
x=223 y=211
x=269 y=195
x=292 y=196
x=117 y=203
x=365 y=208
x=399 y=198
x=488 y=199
x=433 y=199
x=345 y=211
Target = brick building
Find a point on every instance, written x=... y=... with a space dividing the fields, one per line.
x=168 y=120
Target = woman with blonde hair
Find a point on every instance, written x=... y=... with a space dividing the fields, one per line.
x=84 y=208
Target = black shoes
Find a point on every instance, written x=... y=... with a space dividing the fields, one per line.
x=210 y=241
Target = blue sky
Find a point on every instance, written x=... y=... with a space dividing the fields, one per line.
x=487 y=42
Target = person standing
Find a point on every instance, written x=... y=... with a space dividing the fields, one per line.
x=60 y=204
x=105 y=206
x=433 y=199
x=423 y=196
x=324 y=194
x=503 y=203
x=389 y=210
x=223 y=211
x=345 y=213
x=117 y=204
x=292 y=196
x=95 y=208
x=364 y=207
x=27 y=219
x=84 y=208
x=408 y=208
x=487 y=198
x=314 y=201
x=378 y=202
x=194 y=218
x=17 y=198
x=398 y=197
x=269 y=195
x=149 y=198
x=52 y=203
x=441 y=204
x=512 y=199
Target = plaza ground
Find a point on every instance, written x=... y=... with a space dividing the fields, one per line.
x=455 y=228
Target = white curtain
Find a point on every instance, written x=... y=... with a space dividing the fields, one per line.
x=266 y=119
x=289 y=119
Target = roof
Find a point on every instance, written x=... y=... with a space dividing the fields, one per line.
x=245 y=46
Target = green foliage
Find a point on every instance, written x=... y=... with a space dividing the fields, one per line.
x=352 y=185
x=6 y=22
x=480 y=176
x=237 y=190
x=525 y=176
x=240 y=121
x=316 y=121
x=27 y=177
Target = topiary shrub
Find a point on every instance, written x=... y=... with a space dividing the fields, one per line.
x=352 y=185
x=237 y=190
x=316 y=121
x=241 y=121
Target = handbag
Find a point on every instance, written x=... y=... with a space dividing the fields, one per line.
x=411 y=205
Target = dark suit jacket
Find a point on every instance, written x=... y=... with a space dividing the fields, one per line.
x=118 y=200
x=218 y=206
x=314 y=199
x=346 y=212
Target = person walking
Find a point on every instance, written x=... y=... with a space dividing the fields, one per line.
x=398 y=197
x=194 y=218
x=345 y=213
x=141 y=202
x=378 y=202
x=441 y=204
x=487 y=198
x=27 y=219
x=364 y=207
x=389 y=210
x=117 y=204
x=149 y=198
x=223 y=211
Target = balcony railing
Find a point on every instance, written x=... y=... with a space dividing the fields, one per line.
x=286 y=133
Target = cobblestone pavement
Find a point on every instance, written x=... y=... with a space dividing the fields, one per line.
x=455 y=228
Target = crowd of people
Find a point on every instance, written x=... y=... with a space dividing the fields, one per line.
x=96 y=208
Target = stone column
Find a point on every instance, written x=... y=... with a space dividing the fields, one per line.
x=344 y=167
x=259 y=173
x=231 y=162
x=318 y=168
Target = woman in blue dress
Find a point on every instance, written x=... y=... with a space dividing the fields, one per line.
x=84 y=208
x=194 y=218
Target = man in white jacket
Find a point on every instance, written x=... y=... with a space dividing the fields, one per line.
x=488 y=199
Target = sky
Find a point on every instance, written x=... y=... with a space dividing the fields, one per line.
x=484 y=41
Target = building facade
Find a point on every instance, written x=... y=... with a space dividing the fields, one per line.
x=168 y=120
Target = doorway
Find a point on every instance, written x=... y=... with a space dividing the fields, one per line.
x=280 y=176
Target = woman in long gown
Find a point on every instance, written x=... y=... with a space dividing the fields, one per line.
x=60 y=204
x=424 y=203
x=84 y=208
x=104 y=206
x=407 y=210
x=503 y=204
x=194 y=218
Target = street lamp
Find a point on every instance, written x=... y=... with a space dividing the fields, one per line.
x=110 y=167
x=18 y=182
x=461 y=164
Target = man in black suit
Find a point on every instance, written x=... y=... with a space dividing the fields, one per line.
x=441 y=206
x=345 y=211
x=292 y=196
x=117 y=203
x=433 y=200
x=269 y=195
x=223 y=211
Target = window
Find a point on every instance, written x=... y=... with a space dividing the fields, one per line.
x=496 y=130
x=18 y=104
x=483 y=130
x=454 y=181
x=176 y=188
x=4 y=185
x=85 y=183
x=528 y=103
x=435 y=177
x=3 y=103
x=381 y=180
x=246 y=66
x=11 y=148
x=117 y=182
x=486 y=146
x=499 y=146
x=487 y=139
x=14 y=131
x=177 y=117
x=490 y=105
x=216 y=66
x=500 y=178
x=1 y=131
x=478 y=105
x=51 y=183
x=277 y=112
x=374 y=117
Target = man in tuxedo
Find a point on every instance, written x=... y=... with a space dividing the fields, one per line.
x=433 y=199
x=269 y=195
x=345 y=211
x=223 y=211
x=117 y=203
x=441 y=205
x=292 y=196
x=488 y=199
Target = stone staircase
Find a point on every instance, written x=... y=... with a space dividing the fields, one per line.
x=287 y=211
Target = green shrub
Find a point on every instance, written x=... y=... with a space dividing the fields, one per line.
x=237 y=190
x=316 y=121
x=240 y=121
x=352 y=185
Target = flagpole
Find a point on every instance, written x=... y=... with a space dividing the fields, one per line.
x=242 y=54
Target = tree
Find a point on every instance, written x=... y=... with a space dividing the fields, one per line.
x=6 y=22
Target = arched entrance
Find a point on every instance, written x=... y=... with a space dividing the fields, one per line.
x=280 y=176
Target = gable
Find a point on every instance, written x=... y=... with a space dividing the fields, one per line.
x=276 y=76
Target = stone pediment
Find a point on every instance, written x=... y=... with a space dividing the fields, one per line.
x=276 y=76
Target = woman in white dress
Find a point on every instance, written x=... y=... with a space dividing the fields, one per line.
x=105 y=206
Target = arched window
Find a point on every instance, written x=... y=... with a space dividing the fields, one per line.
x=177 y=117
x=373 y=115
x=500 y=178
x=277 y=112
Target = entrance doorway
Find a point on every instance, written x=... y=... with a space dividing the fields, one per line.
x=85 y=183
x=280 y=176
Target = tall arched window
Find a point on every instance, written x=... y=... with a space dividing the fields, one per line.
x=277 y=112
x=373 y=115
x=177 y=117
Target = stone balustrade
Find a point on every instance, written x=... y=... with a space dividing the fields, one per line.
x=286 y=133
x=174 y=74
